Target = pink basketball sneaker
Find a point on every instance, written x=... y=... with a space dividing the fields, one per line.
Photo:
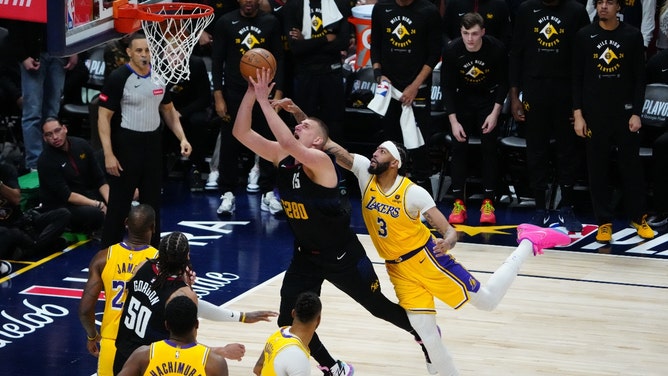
x=541 y=237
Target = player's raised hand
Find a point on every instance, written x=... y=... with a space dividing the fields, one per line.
x=262 y=85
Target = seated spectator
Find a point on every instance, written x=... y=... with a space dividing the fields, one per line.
x=71 y=177
x=28 y=234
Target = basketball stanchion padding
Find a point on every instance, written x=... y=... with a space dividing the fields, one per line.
x=172 y=31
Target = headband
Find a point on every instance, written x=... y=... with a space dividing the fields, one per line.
x=392 y=148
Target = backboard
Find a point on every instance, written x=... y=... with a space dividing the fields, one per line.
x=73 y=26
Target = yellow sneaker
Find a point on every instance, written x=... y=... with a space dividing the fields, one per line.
x=643 y=229
x=604 y=234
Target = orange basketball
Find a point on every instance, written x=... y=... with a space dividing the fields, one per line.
x=257 y=58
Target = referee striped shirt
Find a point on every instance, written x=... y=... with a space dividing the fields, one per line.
x=134 y=99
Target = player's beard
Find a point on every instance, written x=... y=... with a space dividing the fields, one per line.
x=379 y=169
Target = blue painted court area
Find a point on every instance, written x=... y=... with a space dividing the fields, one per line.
x=40 y=331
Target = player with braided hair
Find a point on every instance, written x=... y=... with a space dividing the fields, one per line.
x=174 y=261
x=157 y=281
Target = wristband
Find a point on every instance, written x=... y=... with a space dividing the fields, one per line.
x=93 y=338
x=377 y=74
x=243 y=317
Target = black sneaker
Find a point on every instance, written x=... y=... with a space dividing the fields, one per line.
x=541 y=218
x=196 y=182
x=568 y=220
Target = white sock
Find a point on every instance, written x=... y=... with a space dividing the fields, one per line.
x=425 y=325
x=490 y=294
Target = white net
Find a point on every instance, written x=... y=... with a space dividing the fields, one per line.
x=171 y=41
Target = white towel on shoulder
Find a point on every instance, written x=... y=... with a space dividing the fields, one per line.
x=409 y=130
x=330 y=14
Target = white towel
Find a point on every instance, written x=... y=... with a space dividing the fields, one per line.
x=330 y=14
x=381 y=98
x=409 y=130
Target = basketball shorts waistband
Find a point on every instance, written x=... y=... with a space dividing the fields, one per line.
x=429 y=244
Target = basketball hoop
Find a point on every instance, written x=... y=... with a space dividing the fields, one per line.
x=172 y=30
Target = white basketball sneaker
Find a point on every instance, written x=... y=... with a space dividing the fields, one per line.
x=227 y=204
x=212 y=181
x=338 y=369
x=271 y=203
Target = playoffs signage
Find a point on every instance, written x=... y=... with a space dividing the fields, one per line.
x=24 y=10
x=655 y=107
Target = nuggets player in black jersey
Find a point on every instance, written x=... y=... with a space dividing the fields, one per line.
x=152 y=286
x=319 y=216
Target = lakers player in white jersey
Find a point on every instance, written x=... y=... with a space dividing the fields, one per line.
x=418 y=262
x=108 y=271
x=180 y=354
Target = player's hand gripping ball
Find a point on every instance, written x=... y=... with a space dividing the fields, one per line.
x=257 y=58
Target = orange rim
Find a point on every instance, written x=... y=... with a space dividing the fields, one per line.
x=128 y=17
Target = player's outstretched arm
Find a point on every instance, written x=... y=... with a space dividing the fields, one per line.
x=343 y=157
x=310 y=156
x=213 y=312
x=288 y=105
x=256 y=316
x=242 y=131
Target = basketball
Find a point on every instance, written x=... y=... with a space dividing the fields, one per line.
x=257 y=58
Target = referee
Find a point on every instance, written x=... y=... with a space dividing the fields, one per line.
x=130 y=133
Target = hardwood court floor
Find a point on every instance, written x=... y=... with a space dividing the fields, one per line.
x=567 y=313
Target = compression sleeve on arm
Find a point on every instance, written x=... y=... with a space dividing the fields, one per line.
x=212 y=312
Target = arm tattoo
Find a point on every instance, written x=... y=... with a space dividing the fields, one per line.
x=343 y=157
x=433 y=223
x=299 y=115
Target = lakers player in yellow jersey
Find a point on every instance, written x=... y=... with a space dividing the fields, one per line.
x=417 y=262
x=180 y=354
x=108 y=271
x=286 y=352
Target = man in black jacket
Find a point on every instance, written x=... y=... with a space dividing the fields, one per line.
x=608 y=94
x=71 y=177
x=540 y=57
